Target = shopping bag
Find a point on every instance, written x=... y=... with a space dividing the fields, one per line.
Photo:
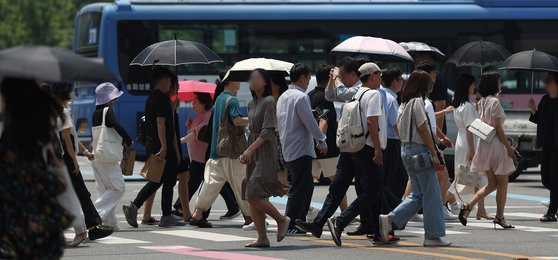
x=128 y=161
x=153 y=169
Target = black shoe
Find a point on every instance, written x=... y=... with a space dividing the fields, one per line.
x=202 y=223
x=335 y=230
x=294 y=231
x=131 y=213
x=170 y=221
x=98 y=233
x=360 y=231
x=177 y=213
x=309 y=227
x=231 y=214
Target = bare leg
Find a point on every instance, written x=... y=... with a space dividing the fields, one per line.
x=148 y=205
x=501 y=194
x=183 y=180
x=259 y=221
x=443 y=181
x=481 y=210
x=408 y=189
x=483 y=192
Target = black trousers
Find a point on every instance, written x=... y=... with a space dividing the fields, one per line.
x=370 y=199
x=168 y=180
x=344 y=176
x=395 y=175
x=549 y=176
x=92 y=218
x=196 y=179
x=302 y=188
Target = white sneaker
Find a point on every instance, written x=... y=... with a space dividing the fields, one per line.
x=312 y=213
x=436 y=242
x=455 y=207
x=448 y=215
x=385 y=227
x=417 y=218
x=545 y=203
x=252 y=226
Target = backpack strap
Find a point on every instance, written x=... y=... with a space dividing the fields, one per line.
x=362 y=121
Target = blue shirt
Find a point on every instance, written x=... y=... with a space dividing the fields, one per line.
x=297 y=126
x=218 y=113
x=391 y=108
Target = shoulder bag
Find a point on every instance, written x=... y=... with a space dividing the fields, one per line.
x=231 y=139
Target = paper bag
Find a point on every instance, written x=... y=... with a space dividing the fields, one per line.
x=128 y=161
x=153 y=169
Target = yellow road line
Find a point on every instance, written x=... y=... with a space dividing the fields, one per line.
x=395 y=250
x=469 y=250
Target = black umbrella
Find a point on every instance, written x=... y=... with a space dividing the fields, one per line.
x=531 y=61
x=479 y=54
x=174 y=53
x=51 y=64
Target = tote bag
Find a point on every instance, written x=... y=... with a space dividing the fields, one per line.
x=232 y=139
x=107 y=143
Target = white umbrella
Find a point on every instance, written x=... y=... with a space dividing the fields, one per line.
x=381 y=49
x=242 y=69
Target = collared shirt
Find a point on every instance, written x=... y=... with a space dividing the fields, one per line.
x=391 y=108
x=342 y=93
x=297 y=126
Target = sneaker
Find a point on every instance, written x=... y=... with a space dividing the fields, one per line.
x=98 y=233
x=385 y=227
x=545 y=203
x=454 y=207
x=202 y=223
x=295 y=232
x=170 y=221
x=177 y=212
x=377 y=240
x=151 y=221
x=448 y=215
x=436 y=242
x=417 y=218
x=131 y=213
x=252 y=227
x=312 y=213
x=309 y=227
x=230 y=215
x=335 y=230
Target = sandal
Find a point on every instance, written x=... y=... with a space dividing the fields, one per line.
x=462 y=211
x=502 y=223
x=150 y=221
x=548 y=218
x=256 y=244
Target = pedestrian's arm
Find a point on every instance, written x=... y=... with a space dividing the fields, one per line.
x=302 y=108
x=240 y=121
x=67 y=140
x=424 y=132
x=373 y=129
x=396 y=130
x=322 y=123
x=161 y=131
x=440 y=106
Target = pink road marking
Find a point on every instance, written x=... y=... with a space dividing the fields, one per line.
x=185 y=250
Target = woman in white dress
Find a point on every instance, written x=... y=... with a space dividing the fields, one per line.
x=464 y=114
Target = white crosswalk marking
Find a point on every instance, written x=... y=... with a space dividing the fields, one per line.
x=203 y=235
x=521 y=228
x=524 y=215
x=112 y=240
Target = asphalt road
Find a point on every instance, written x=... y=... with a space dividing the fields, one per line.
x=531 y=238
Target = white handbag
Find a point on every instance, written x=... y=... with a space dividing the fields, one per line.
x=481 y=129
x=464 y=176
x=107 y=143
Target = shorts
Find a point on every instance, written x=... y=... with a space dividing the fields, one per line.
x=327 y=167
x=184 y=165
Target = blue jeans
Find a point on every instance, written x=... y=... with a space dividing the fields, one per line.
x=425 y=195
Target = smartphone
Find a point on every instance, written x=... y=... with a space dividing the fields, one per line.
x=323 y=113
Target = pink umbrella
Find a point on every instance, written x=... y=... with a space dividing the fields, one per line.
x=187 y=88
x=381 y=49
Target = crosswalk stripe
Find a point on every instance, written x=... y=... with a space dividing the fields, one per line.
x=524 y=215
x=521 y=228
x=210 y=236
x=112 y=240
x=190 y=251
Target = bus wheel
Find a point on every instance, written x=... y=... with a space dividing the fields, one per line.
x=520 y=166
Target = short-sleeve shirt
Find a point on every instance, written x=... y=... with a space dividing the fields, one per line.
x=159 y=105
x=68 y=124
x=318 y=100
x=431 y=114
x=371 y=105
x=439 y=93
x=414 y=107
x=490 y=110
x=391 y=107
x=218 y=114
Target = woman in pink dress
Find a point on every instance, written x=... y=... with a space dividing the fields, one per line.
x=494 y=158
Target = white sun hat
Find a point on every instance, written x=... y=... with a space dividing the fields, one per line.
x=106 y=92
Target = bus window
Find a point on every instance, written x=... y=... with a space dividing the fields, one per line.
x=88 y=34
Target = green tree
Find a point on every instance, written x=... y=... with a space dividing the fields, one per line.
x=38 y=22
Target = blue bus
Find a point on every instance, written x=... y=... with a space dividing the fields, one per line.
x=290 y=30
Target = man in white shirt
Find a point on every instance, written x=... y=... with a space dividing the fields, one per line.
x=297 y=131
x=369 y=160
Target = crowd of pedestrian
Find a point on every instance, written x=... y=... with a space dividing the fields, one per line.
x=389 y=139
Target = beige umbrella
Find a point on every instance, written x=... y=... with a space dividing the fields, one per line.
x=378 y=48
x=242 y=69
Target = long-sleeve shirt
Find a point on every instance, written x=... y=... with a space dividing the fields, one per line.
x=110 y=121
x=297 y=126
x=342 y=93
x=546 y=119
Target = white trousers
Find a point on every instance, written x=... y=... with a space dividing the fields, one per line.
x=70 y=202
x=110 y=188
x=217 y=172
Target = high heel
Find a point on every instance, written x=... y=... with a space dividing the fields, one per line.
x=462 y=217
x=501 y=223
